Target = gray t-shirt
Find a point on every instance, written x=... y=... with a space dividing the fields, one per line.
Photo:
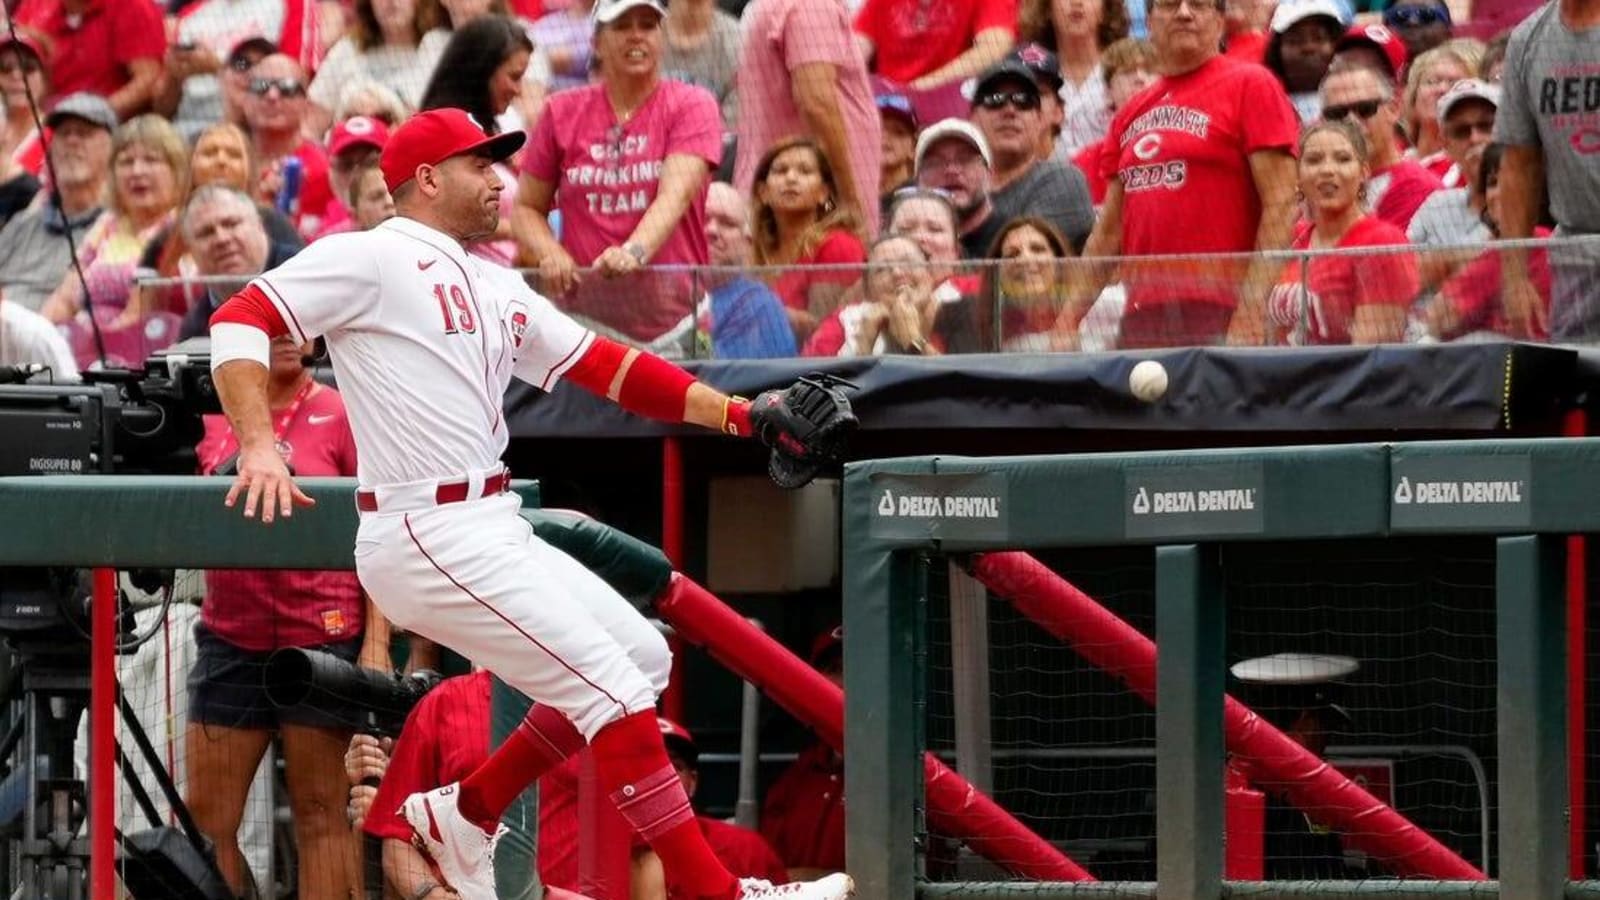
x=1550 y=101
x=711 y=65
x=1055 y=192
x=1446 y=219
x=34 y=256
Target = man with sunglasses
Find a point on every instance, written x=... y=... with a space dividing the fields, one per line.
x=1549 y=122
x=1454 y=216
x=201 y=54
x=1421 y=24
x=1202 y=162
x=275 y=111
x=1007 y=107
x=1397 y=185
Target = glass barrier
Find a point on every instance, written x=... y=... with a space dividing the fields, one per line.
x=1398 y=294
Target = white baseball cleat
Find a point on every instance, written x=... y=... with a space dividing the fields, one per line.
x=463 y=851
x=837 y=886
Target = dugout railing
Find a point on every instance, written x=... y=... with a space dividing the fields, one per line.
x=1217 y=514
x=111 y=523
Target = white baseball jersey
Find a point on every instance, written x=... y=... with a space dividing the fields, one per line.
x=424 y=339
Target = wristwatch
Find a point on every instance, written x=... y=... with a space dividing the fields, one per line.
x=636 y=250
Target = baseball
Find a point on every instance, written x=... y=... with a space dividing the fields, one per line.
x=1148 y=381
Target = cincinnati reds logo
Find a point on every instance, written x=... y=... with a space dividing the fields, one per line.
x=1586 y=141
x=1032 y=55
x=1378 y=34
x=519 y=328
x=1147 y=147
x=359 y=125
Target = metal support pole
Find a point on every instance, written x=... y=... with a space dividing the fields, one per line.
x=1189 y=738
x=1530 y=617
x=969 y=651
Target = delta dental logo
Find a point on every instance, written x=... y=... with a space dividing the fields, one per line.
x=1457 y=492
x=928 y=506
x=1156 y=503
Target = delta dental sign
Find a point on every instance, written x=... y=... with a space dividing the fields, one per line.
x=957 y=506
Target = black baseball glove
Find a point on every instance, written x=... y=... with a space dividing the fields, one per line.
x=806 y=425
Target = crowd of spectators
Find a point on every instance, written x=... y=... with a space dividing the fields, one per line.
x=1158 y=138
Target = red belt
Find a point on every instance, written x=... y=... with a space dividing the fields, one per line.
x=446 y=492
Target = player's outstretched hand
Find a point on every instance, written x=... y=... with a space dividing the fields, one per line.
x=264 y=480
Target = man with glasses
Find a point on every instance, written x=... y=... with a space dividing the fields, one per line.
x=275 y=110
x=1421 y=24
x=1454 y=216
x=1397 y=185
x=34 y=253
x=953 y=158
x=1549 y=122
x=1202 y=163
x=1007 y=107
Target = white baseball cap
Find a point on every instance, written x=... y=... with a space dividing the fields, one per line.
x=1468 y=89
x=960 y=129
x=608 y=11
x=1294 y=11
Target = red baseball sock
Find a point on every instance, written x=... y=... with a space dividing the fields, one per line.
x=634 y=769
x=543 y=739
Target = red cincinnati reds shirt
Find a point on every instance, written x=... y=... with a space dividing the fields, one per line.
x=1183 y=156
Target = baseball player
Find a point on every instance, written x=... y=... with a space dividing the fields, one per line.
x=425 y=339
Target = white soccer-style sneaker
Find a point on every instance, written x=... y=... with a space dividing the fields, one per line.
x=463 y=851
x=837 y=886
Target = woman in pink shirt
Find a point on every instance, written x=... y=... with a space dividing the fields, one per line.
x=801 y=225
x=625 y=160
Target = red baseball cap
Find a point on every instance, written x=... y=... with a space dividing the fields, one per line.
x=678 y=738
x=27 y=41
x=429 y=138
x=1387 y=42
x=357 y=131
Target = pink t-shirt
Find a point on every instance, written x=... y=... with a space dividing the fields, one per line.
x=779 y=37
x=606 y=175
x=268 y=609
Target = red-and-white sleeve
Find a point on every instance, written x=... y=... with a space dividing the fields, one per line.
x=334 y=283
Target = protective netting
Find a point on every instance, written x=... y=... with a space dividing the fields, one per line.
x=1071 y=745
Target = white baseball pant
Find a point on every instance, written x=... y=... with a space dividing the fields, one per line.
x=473 y=576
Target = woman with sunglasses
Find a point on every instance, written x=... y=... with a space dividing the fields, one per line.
x=23 y=83
x=1344 y=298
x=801 y=226
x=1469 y=304
x=1429 y=77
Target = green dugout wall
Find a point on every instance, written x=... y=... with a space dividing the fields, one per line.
x=1524 y=494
